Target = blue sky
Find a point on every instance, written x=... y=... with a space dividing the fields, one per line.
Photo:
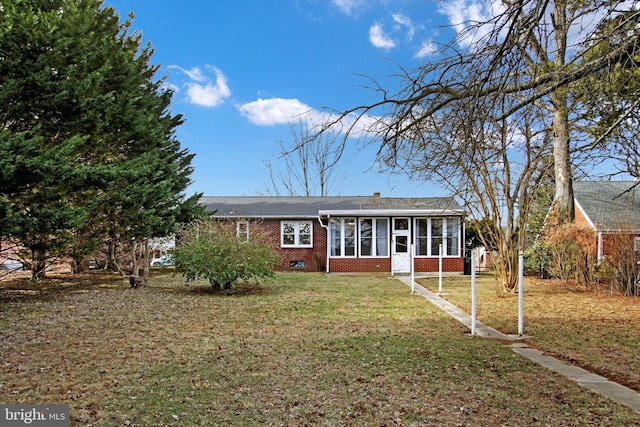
x=244 y=70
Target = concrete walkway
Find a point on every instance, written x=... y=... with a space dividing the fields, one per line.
x=593 y=382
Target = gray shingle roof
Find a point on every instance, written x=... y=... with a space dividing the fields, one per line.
x=609 y=204
x=309 y=207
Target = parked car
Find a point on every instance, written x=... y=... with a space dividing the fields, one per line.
x=163 y=261
x=11 y=265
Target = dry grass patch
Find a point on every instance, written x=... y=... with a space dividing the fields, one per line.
x=598 y=331
x=303 y=349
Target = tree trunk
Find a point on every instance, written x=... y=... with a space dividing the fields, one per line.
x=38 y=264
x=146 y=261
x=79 y=265
x=562 y=162
x=134 y=259
x=112 y=263
x=561 y=139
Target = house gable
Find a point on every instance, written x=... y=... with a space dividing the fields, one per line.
x=609 y=206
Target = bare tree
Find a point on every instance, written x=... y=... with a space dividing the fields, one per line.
x=611 y=99
x=530 y=53
x=308 y=165
x=495 y=166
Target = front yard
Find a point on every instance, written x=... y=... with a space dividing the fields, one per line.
x=303 y=349
x=598 y=332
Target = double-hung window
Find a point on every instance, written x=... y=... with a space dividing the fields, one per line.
x=343 y=237
x=296 y=234
x=242 y=230
x=374 y=237
x=433 y=232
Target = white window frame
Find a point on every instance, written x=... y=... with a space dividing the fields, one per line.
x=445 y=236
x=296 y=234
x=445 y=240
x=239 y=229
x=374 y=237
x=341 y=222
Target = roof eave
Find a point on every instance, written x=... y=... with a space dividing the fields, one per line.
x=391 y=212
x=237 y=216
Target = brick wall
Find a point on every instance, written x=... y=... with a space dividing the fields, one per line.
x=360 y=265
x=606 y=242
x=430 y=265
x=581 y=220
x=314 y=259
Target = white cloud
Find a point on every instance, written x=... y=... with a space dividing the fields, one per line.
x=463 y=14
x=194 y=74
x=277 y=111
x=272 y=111
x=402 y=27
x=209 y=95
x=348 y=6
x=379 y=39
x=404 y=21
x=427 y=48
x=201 y=89
x=475 y=19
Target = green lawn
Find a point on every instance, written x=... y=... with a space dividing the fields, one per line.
x=303 y=349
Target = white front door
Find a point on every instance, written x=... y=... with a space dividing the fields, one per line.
x=401 y=244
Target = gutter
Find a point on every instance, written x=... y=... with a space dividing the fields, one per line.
x=392 y=212
x=326 y=227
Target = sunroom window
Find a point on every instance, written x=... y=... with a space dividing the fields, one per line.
x=433 y=232
x=343 y=237
x=374 y=237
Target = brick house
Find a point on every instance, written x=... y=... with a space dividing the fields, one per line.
x=354 y=234
x=608 y=208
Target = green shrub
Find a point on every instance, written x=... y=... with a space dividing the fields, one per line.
x=213 y=249
x=573 y=253
x=537 y=259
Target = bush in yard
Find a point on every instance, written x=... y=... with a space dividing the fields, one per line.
x=537 y=259
x=573 y=253
x=221 y=252
x=620 y=266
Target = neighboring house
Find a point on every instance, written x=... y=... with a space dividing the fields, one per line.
x=162 y=246
x=608 y=208
x=353 y=234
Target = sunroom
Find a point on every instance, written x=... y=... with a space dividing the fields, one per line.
x=394 y=240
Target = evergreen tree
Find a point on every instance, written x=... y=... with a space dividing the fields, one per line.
x=89 y=143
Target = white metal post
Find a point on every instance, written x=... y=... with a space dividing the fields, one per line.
x=412 y=270
x=440 y=269
x=521 y=294
x=393 y=245
x=473 y=296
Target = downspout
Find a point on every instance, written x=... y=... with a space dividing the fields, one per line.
x=600 y=247
x=326 y=227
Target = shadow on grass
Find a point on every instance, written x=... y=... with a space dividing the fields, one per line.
x=238 y=290
x=25 y=289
